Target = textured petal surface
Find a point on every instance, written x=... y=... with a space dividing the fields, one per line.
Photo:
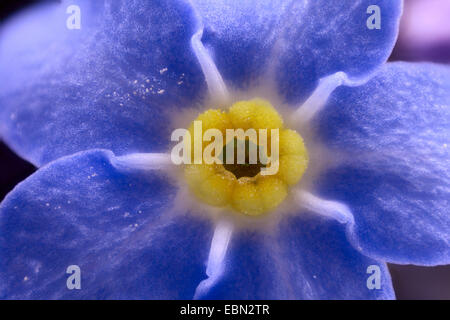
x=307 y=257
x=295 y=43
x=112 y=84
x=118 y=228
x=393 y=134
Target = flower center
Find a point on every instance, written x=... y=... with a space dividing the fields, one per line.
x=246 y=169
x=256 y=164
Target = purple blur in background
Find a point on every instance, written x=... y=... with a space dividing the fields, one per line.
x=424 y=36
x=424 y=32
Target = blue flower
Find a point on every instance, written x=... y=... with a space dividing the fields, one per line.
x=94 y=108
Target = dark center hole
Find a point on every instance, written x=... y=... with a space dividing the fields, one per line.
x=246 y=169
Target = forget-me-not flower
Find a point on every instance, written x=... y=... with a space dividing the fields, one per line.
x=94 y=106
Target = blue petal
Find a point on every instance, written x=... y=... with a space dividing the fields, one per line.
x=301 y=41
x=394 y=134
x=116 y=227
x=307 y=257
x=112 y=84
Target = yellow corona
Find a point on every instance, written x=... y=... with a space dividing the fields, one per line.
x=243 y=187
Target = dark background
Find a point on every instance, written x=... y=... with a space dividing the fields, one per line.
x=410 y=282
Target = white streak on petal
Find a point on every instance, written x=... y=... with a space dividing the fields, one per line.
x=142 y=161
x=331 y=209
x=319 y=97
x=216 y=85
x=217 y=252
